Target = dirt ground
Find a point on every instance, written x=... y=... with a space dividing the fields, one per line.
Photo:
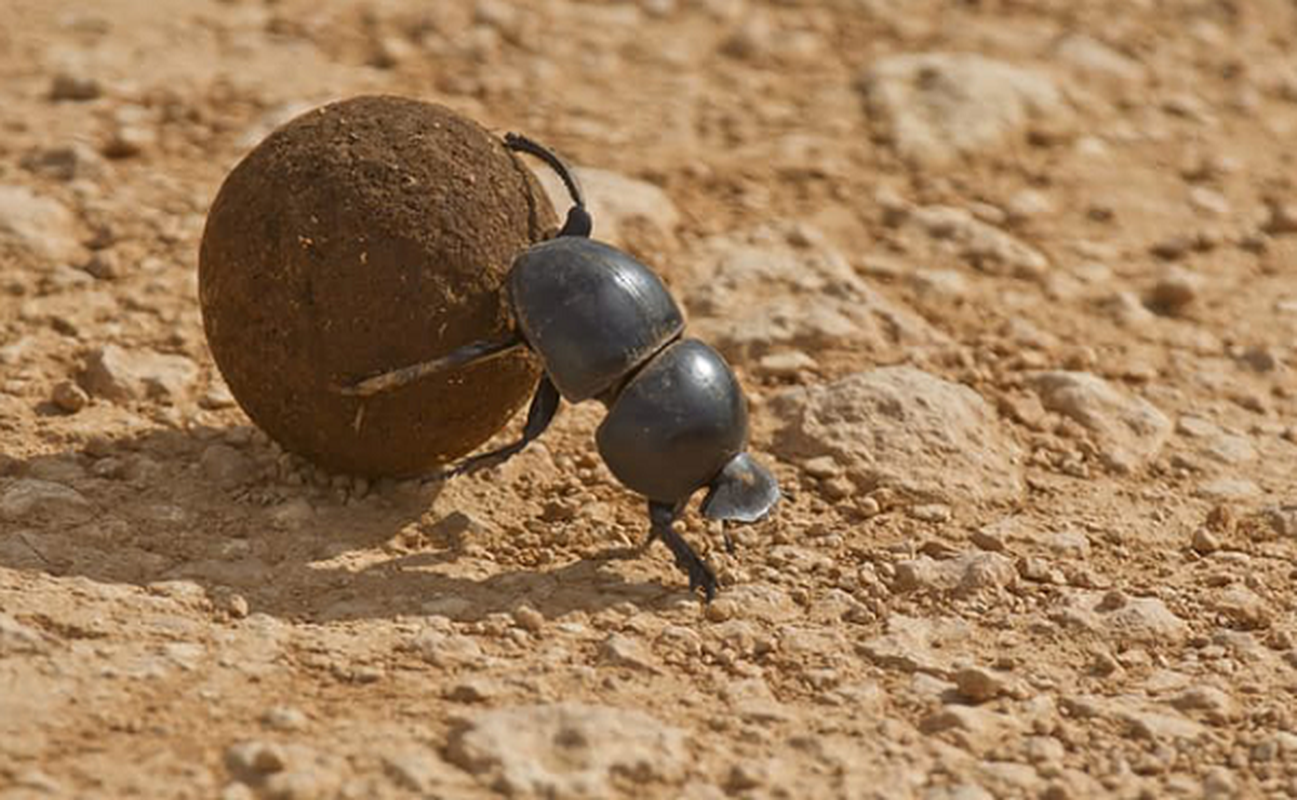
x=1012 y=286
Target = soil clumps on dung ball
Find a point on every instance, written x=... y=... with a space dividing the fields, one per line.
x=363 y=236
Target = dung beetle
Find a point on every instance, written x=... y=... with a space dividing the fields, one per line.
x=605 y=328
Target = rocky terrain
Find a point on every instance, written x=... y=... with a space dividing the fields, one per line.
x=1012 y=285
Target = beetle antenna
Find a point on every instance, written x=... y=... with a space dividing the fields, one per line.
x=578 y=221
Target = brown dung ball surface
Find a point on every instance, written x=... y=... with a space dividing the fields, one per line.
x=363 y=236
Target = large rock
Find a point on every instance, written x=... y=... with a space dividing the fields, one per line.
x=29 y=499
x=115 y=373
x=920 y=644
x=905 y=429
x=568 y=750
x=1123 y=619
x=785 y=287
x=1129 y=431
x=40 y=225
x=938 y=106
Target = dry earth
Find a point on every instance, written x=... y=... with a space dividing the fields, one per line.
x=1011 y=283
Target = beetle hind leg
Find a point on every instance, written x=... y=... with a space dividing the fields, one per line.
x=544 y=406
x=661 y=515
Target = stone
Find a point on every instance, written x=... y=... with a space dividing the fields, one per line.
x=74 y=86
x=975 y=728
x=1129 y=431
x=284 y=718
x=905 y=430
x=931 y=512
x=1127 y=309
x=104 y=265
x=1228 y=489
x=69 y=162
x=1242 y=606
x=1282 y=519
x=115 y=373
x=475 y=689
x=1068 y=543
x=420 y=770
x=70 y=397
x=568 y=750
x=40 y=225
x=34 y=499
x=1204 y=541
x=980 y=684
x=1147 y=724
x=529 y=619
x=1219 y=784
x=252 y=760
x=1132 y=620
x=1094 y=59
x=445 y=649
x=225 y=466
x=917 y=644
x=1139 y=717
x=981 y=244
x=963 y=575
x=788 y=364
x=1174 y=292
x=1228 y=448
x=1217 y=706
x=937 y=106
x=19 y=639
x=1282 y=218
x=758 y=293
x=623 y=651
x=130 y=139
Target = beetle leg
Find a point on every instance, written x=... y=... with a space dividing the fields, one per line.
x=579 y=222
x=459 y=357
x=661 y=515
x=544 y=405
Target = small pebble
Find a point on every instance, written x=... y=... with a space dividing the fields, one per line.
x=720 y=610
x=1282 y=219
x=77 y=88
x=70 y=397
x=130 y=140
x=284 y=718
x=931 y=512
x=529 y=619
x=979 y=684
x=104 y=265
x=255 y=758
x=1204 y=541
x=1174 y=292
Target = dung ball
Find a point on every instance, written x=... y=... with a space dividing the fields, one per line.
x=364 y=236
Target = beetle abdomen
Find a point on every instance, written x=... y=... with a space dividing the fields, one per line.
x=676 y=424
x=592 y=312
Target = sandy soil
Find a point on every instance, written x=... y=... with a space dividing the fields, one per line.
x=1011 y=286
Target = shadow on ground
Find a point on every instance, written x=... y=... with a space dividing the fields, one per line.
x=216 y=507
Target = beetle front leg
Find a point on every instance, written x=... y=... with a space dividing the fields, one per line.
x=661 y=515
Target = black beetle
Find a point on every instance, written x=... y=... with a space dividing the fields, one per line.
x=606 y=328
